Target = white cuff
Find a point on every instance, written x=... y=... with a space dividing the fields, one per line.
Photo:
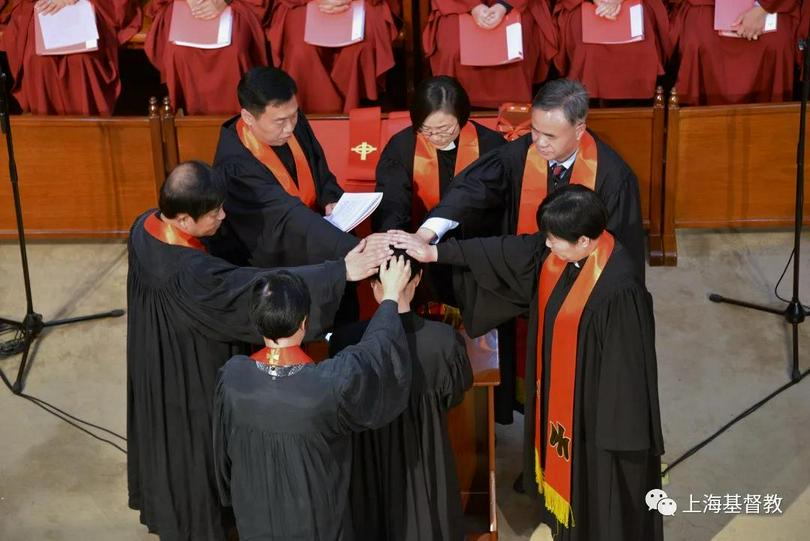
x=440 y=226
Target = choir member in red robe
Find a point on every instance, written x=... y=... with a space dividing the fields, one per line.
x=196 y=77
x=491 y=86
x=331 y=80
x=754 y=67
x=73 y=84
x=612 y=72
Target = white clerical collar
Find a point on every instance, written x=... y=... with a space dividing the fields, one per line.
x=567 y=163
x=451 y=146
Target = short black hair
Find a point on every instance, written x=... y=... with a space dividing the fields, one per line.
x=263 y=86
x=416 y=266
x=565 y=94
x=572 y=211
x=441 y=93
x=193 y=188
x=279 y=305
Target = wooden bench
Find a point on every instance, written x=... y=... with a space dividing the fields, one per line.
x=730 y=166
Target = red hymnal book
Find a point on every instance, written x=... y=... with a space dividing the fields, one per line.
x=189 y=31
x=500 y=45
x=628 y=27
x=727 y=11
x=335 y=30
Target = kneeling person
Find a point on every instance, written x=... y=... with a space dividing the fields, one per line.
x=404 y=483
x=282 y=449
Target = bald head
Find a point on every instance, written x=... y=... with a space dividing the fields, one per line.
x=192 y=188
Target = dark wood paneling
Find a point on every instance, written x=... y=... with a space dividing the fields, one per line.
x=79 y=177
x=731 y=166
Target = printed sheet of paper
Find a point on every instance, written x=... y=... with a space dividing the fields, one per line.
x=71 y=25
x=353 y=208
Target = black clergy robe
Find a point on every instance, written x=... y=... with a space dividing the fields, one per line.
x=404 y=485
x=282 y=445
x=395 y=179
x=264 y=225
x=494 y=183
x=185 y=307
x=617 y=441
x=496 y=179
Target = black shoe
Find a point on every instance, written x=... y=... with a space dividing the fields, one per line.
x=517 y=486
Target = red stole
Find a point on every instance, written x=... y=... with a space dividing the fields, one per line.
x=169 y=234
x=535 y=180
x=426 y=166
x=305 y=191
x=554 y=476
x=282 y=356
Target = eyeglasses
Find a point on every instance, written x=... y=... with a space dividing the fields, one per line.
x=444 y=130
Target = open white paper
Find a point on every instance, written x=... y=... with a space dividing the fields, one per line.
x=770 y=23
x=353 y=208
x=70 y=25
x=224 y=33
x=358 y=21
x=514 y=41
x=637 y=21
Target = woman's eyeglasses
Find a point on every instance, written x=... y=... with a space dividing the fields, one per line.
x=444 y=130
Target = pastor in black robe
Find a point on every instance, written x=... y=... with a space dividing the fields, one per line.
x=395 y=180
x=282 y=445
x=404 y=485
x=494 y=183
x=184 y=308
x=496 y=179
x=264 y=225
x=617 y=440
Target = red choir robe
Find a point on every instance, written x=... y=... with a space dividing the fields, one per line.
x=489 y=86
x=332 y=80
x=613 y=72
x=720 y=70
x=74 y=84
x=203 y=81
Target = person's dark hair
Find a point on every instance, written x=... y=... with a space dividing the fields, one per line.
x=565 y=94
x=192 y=188
x=416 y=266
x=279 y=305
x=263 y=86
x=572 y=211
x=441 y=93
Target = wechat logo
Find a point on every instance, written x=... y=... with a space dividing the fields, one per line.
x=658 y=499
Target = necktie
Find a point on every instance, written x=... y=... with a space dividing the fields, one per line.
x=556 y=174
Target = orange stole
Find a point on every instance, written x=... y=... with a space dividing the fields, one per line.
x=305 y=191
x=426 y=165
x=535 y=180
x=554 y=477
x=168 y=234
x=282 y=356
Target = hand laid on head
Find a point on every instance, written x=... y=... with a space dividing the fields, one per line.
x=364 y=260
x=48 y=7
x=415 y=246
x=394 y=276
x=609 y=9
x=751 y=23
x=333 y=7
x=379 y=240
x=207 y=9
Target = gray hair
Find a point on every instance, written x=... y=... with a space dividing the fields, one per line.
x=565 y=94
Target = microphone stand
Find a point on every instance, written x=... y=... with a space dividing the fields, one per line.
x=794 y=313
x=32 y=324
